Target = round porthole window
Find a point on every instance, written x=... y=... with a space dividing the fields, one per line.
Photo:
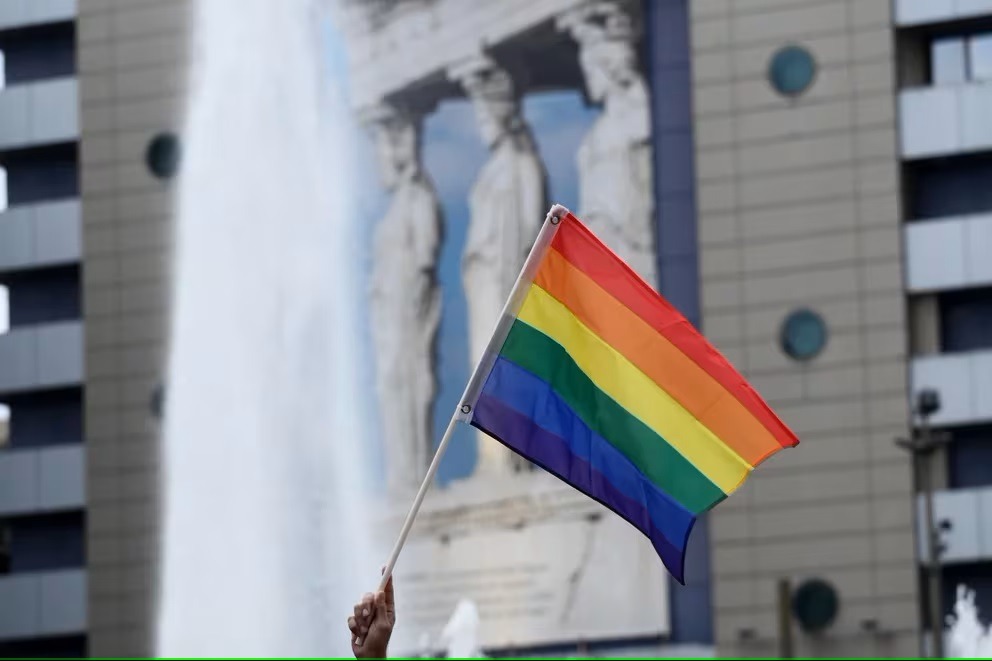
x=162 y=156
x=791 y=70
x=815 y=605
x=804 y=334
x=156 y=402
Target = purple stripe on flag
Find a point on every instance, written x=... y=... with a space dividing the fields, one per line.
x=524 y=435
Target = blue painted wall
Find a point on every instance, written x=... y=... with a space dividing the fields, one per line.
x=668 y=61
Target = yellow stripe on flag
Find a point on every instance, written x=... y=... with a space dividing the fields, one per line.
x=623 y=382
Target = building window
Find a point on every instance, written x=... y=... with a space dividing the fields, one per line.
x=954 y=186
x=961 y=59
x=791 y=70
x=157 y=401
x=47 y=418
x=47 y=542
x=947 y=61
x=804 y=334
x=4 y=548
x=42 y=296
x=40 y=52
x=45 y=647
x=3 y=187
x=969 y=455
x=980 y=56
x=4 y=309
x=41 y=174
x=965 y=319
x=4 y=425
x=162 y=156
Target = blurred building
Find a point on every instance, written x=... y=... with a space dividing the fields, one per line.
x=133 y=57
x=945 y=146
x=43 y=461
x=92 y=95
x=820 y=184
x=840 y=148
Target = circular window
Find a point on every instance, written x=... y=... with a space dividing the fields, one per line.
x=157 y=401
x=162 y=156
x=804 y=334
x=815 y=605
x=791 y=70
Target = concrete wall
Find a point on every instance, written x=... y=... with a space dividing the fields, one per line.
x=132 y=63
x=799 y=206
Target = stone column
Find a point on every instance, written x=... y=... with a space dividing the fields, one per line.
x=616 y=190
x=405 y=299
x=507 y=205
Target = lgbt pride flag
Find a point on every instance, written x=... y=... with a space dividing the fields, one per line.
x=592 y=375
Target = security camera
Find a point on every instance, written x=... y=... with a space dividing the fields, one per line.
x=927 y=402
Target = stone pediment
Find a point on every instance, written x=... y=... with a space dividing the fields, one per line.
x=398 y=46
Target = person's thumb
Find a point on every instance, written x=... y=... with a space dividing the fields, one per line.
x=380 y=607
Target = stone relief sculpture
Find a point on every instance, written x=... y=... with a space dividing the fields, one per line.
x=616 y=192
x=405 y=299
x=523 y=539
x=507 y=206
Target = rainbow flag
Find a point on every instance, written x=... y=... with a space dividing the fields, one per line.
x=596 y=378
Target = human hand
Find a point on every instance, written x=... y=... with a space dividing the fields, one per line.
x=372 y=623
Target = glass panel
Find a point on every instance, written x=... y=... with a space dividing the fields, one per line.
x=804 y=334
x=947 y=63
x=965 y=317
x=4 y=427
x=4 y=310
x=969 y=457
x=791 y=70
x=3 y=189
x=980 y=56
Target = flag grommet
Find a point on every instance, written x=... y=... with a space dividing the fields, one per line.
x=466 y=408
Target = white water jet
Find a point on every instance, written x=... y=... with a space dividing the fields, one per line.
x=261 y=554
x=966 y=636
x=460 y=636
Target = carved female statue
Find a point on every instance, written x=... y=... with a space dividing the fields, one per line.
x=616 y=190
x=405 y=302
x=507 y=206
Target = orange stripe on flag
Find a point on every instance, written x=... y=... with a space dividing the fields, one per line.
x=577 y=244
x=660 y=360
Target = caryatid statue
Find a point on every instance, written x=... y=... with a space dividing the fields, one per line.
x=616 y=186
x=405 y=299
x=507 y=206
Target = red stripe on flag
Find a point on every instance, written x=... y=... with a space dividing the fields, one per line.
x=586 y=252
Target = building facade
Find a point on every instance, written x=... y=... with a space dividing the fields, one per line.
x=818 y=177
x=133 y=58
x=801 y=271
x=840 y=150
x=43 y=578
x=944 y=53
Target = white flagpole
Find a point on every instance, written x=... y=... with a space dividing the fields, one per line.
x=465 y=405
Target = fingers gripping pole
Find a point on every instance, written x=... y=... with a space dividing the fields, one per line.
x=465 y=404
